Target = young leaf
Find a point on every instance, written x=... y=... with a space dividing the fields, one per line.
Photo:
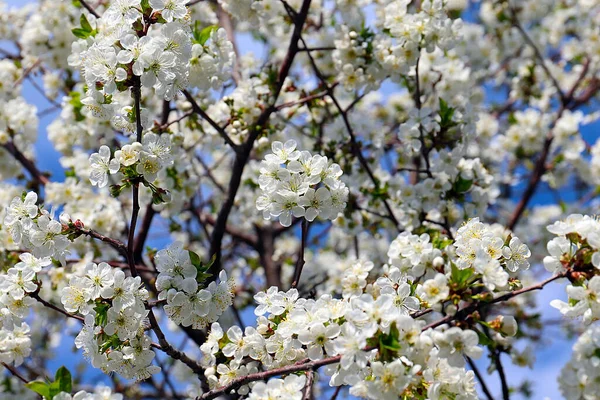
x=81 y=33
x=40 y=388
x=85 y=24
x=63 y=377
x=204 y=34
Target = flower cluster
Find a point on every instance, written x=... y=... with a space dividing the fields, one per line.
x=178 y=283
x=212 y=63
x=100 y=393
x=289 y=387
x=17 y=284
x=299 y=184
x=576 y=248
x=295 y=328
x=489 y=253
x=579 y=377
x=143 y=160
x=112 y=337
x=35 y=228
x=160 y=58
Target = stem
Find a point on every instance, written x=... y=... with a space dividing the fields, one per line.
x=55 y=308
x=300 y=262
x=241 y=157
x=503 y=381
x=15 y=372
x=164 y=344
x=89 y=8
x=480 y=378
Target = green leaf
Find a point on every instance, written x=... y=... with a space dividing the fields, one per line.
x=63 y=378
x=40 y=388
x=441 y=242
x=85 y=24
x=195 y=259
x=484 y=340
x=460 y=276
x=145 y=6
x=462 y=185
x=101 y=313
x=446 y=114
x=81 y=33
x=202 y=36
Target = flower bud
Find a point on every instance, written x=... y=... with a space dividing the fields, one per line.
x=508 y=325
x=438 y=262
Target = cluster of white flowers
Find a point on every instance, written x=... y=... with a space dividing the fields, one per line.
x=438 y=150
x=296 y=328
x=363 y=58
x=16 y=285
x=160 y=58
x=100 y=393
x=299 y=184
x=413 y=254
x=576 y=248
x=289 y=387
x=488 y=251
x=211 y=64
x=113 y=336
x=146 y=159
x=35 y=228
x=178 y=283
x=579 y=378
x=151 y=41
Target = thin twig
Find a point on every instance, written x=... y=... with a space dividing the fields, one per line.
x=198 y=110
x=480 y=378
x=89 y=8
x=36 y=296
x=15 y=372
x=300 y=261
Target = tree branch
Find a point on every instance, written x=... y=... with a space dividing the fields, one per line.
x=198 y=110
x=255 y=130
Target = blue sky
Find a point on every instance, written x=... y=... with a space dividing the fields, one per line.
x=551 y=356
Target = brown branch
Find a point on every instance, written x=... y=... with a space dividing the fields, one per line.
x=462 y=313
x=170 y=350
x=300 y=261
x=238 y=234
x=480 y=378
x=35 y=173
x=89 y=8
x=308 y=388
x=165 y=125
x=198 y=110
x=255 y=130
x=15 y=372
x=36 y=296
x=502 y=375
x=116 y=244
x=140 y=240
x=303 y=365
x=306 y=99
x=540 y=167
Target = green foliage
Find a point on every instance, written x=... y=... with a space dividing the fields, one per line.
x=201 y=36
x=201 y=268
x=62 y=383
x=460 y=276
x=86 y=29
